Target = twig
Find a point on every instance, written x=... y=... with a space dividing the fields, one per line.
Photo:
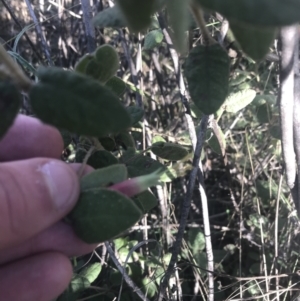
x=185 y=207
x=276 y=235
x=207 y=235
x=127 y=279
x=296 y=119
x=180 y=81
x=89 y=28
x=134 y=78
x=39 y=33
x=286 y=101
x=198 y=15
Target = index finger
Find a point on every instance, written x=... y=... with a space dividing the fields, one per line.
x=28 y=138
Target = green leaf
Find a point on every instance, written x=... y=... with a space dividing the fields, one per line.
x=140 y=165
x=74 y=289
x=77 y=103
x=103 y=177
x=196 y=240
x=153 y=39
x=80 y=282
x=207 y=73
x=237 y=101
x=116 y=85
x=158 y=139
x=83 y=62
x=169 y=151
x=108 y=143
x=149 y=287
x=91 y=272
x=136 y=113
x=101 y=214
x=110 y=17
x=257 y=12
x=108 y=59
x=125 y=139
x=146 y=201
x=254 y=41
x=179 y=22
x=262 y=99
x=10 y=103
x=102 y=158
x=103 y=65
x=138 y=13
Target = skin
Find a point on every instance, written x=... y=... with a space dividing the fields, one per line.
x=36 y=191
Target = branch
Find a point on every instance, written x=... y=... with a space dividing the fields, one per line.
x=39 y=33
x=185 y=206
x=286 y=101
x=296 y=120
x=127 y=279
x=180 y=81
x=89 y=28
x=198 y=16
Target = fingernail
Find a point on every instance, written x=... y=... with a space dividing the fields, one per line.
x=62 y=183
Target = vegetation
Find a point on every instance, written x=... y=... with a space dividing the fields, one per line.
x=180 y=96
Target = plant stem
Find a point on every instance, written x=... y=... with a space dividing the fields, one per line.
x=89 y=28
x=198 y=15
x=121 y=269
x=39 y=32
x=185 y=207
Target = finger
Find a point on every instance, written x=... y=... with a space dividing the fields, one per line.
x=42 y=277
x=29 y=138
x=58 y=238
x=34 y=194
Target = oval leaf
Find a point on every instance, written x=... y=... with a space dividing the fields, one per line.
x=102 y=158
x=110 y=17
x=91 y=272
x=254 y=41
x=10 y=103
x=146 y=201
x=169 y=151
x=108 y=60
x=77 y=103
x=140 y=165
x=102 y=214
x=239 y=100
x=257 y=12
x=136 y=113
x=138 y=13
x=153 y=39
x=116 y=85
x=108 y=143
x=125 y=139
x=83 y=62
x=207 y=73
x=103 y=177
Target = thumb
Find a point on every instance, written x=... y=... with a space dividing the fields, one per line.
x=34 y=194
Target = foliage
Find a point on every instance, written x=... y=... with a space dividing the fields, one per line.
x=95 y=105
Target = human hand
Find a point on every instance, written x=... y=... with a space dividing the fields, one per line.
x=36 y=191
